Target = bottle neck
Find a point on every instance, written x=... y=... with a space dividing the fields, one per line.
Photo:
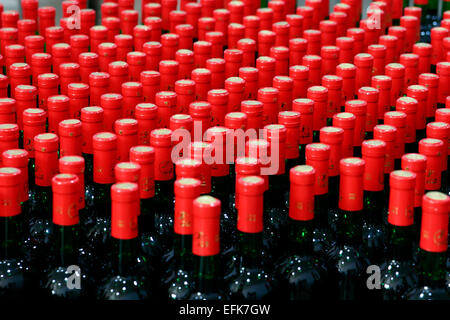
x=349 y=227
x=206 y=272
x=321 y=204
x=147 y=217
x=220 y=188
x=400 y=240
x=66 y=244
x=164 y=195
x=276 y=188
x=43 y=202
x=373 y=207
x=250 y=247
x=11 y=231
x=102 y=199
x=333 y=191
x=124 y=255
x=300 y=237
x=182 y=246
x=432 y=270
x=88 y=168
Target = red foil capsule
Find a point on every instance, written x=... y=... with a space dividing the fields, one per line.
x=79 y=43
x=155 y=24
x=424 y=51
x=127 y=137
x=107 y=53
x=254 y=111
x=205 y=24
x=334 y=85
x=291 y=120
x=306 y=109
x=53 y=35
x=341 y=19
x=98 y=85
x=91 y=123
x=358 y=35
x=14 y=53
x=248 y=48
x=111 y=104
x=200 y=151
x=437 y=36
x=186 y=34
x=370 y=96
x=170 y=45
x=128 y=20
x=48 y=86
x=132 y=93
x=378 y=52
x=217 y=40
x=443 y=115
x=440 y=130
x=10 y=186
x=333 y=137
x=218 y=99
x=411 y=62
x=300 y=76
x=373 y=153
x=46 y=158
x=79 y=98
x=266 y=18
x=250 y=190
x=364 y=66
x=328 y=29
x=30 y=9
x=146 y=115
x=236 y=9
x=75 y=165
x=400 y=33
x=71 y=138
x=68 y=73
x=431 y=81
x=124 y=43
x=185 y=59
x=202 y=78
x=33 y=44
x=409 y=106
x=3 y=83
x=8 y=36
x=18 y=158
x=297 y=49
x=125 y=208
x=9 y=137
x=166 y=102
x=46 y=18
x=434 y=222
x=150 y=85
x=153 y=51
x=285 y=86
x=252 y=26
x=269 y=97
x=186 y=190
x=218 y=137
x=351 y=184
x=136 y=64
x=200 y=111
x=185 y=90
x=387 y=134
x=250 y=75
x=180 y=124
x=330 y=59
x=87 y=20
x=281 y=56
x=319 y=95
x=119 y=72
x=345 y=45
x=245 y=166
x=217 y=68
x=188 y=168
x=398 y=120
x=397 y=73
x=401 y=198
x=233 y=61
x=34 y=120
x=346 y=121
x=235 y=87
x=58 y=110
x=383 y=84
x=390 y=42
x=193 y=10
x=141 y=35
x=236 y=31
x=26 y=97
x=206 y=214
x=348 y=73
x=420 y=93
x=8 y=110
x=432 y=149
x=317 y=156
x=282 y=30
x=222 y=18
x=275 y=134
x=266 y=40
x=443 y=70
x=145 y=157
x=19 y=74
x=266 y=67
x=109 y=9
x=41 y=63
x=169 y=74
x=313 y=37
x=359 y=109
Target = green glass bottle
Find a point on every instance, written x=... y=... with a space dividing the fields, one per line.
x=398 y=274
x=433 y=246
x=302 y=273
x=14 y=273
x=349 y=262
x=178 y=279
x=252 y=279
x=206 y=248
x=373 y=152
x=126 y=276
x=64 y=278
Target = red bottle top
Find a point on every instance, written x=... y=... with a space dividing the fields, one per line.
x=333 y=136
x=250 y=75
x=319 y=95
x=71 y=139
x=46 y=158
x=401 y=198
x=443 y=70
x=416 y=163
x=373 y=152
x=218 y=137
x=7 y=110
x=440 y=130
x=345 y=45
x=105 y=157
x=266 y=39
x=359 y=109
x=434 y=226
x=218 y=98
x=387 y=134
x=145 y=157
x=10 y=185
x=92 y=122
x=346 y=121
x=202 y=152
x=18 y=158
x=127 y=137
x=9 y=136
x=317 y=155
x=254 y=111
x=291 y=120
x=127 y=172
x=186 y=190
x=301 y=197
x=250 y=210
x=351 y=184
x=306 y=109
x=160 y=140
x=398 y=120
x=34 y=120
x=409 y=106
x=66 y=194
x=206 y=229
x=442 y=115
x=188 y=168
x=432 y=149
x=424 y=51
x=125 y=208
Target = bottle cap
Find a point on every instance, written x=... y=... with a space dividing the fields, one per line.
x=124 y=210
x=66 y=193
x=434 y=231
x=127 y=172
x=401 y=200
x=206 y=229
x=10 y=191
x=351 y=184
x=301 y=199
x=250 y=211
x=186 y=190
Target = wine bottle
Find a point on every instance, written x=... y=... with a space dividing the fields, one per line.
x=347 y=257
x=14 y=272
x=125 y=277
x=373 y=152
x=252 y=280
x=205 y=249
x=178 y=278
x=64 y=278
x=302 y=273
x=398 y=274
x=433 y=247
